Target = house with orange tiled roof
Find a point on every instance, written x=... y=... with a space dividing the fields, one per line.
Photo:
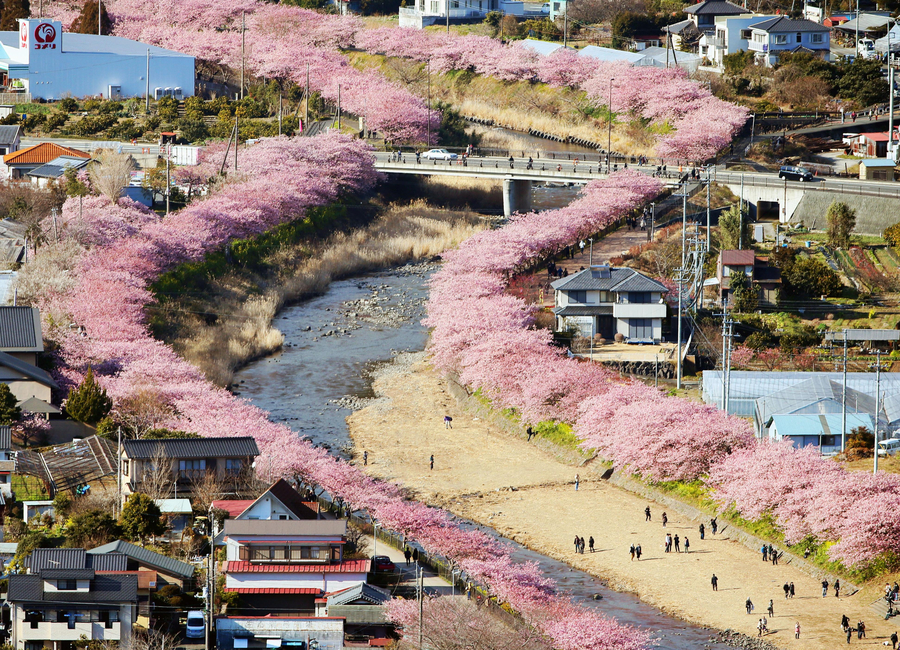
x=18 y=163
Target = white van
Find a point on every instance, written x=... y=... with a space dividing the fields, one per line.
x=888 y=447
x=196 y=625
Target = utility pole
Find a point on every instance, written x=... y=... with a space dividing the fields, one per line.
x=877 y=404
x=421 y=585
x=339 y=108
x=428 y=119
x=727 y=335
x=99 y=16
x=891 y=152
x=566 y=23
x=652 y=219
x=237 y=134
x=844 y=399
x=168 y=180
x=609 y=130
x=448 y=34
x=740 y=216
x=680 y=280
x=148 y=80
x=591 y=254
x=683 y=221
x=306 y=124
x=243 y=42
x=708 y=217
x=118 y=474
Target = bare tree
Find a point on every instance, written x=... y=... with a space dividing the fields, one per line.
x=153 y=640
x=458 y=624
x=110 y=173
x=143 y=411
x=32 y=207
x=157 y=478
x=603 y=11
x=208 y=489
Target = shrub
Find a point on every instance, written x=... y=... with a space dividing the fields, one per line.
x=892 y=234
x=68 y=104
x=89 y=402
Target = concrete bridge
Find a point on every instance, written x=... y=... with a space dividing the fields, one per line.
x=517 y=175
x=877 y=203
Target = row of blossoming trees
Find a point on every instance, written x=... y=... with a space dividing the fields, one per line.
x=101 y=269
x=285 y=42
x=484 y=335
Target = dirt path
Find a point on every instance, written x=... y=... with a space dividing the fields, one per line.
x=475 y=464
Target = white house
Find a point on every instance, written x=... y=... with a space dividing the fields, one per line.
x=280 y=502
x=428 y=12
x=286 y=564
x=51 y=64
x=611 y=300
x=772 y=36
x=298 y=632
x=731 y=34
x=704 y=14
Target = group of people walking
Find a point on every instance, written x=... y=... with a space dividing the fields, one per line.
x=579 y=544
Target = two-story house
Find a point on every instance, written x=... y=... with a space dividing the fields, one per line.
x=772 y=36
x=182 y=462
x=20 y=342
x=64 y=598
x=704 y=14
x=280 y=502
x=764 y=278
x=284 y=565
x=607 y=301
x=731 y=34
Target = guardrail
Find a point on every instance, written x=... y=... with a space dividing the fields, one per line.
x=862 y=188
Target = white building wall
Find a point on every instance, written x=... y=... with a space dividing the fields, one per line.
x=54 y=72
x=325 y=581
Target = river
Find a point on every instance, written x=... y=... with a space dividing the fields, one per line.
x=332 y=342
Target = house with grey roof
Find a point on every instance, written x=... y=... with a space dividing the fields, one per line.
x=772 y=36
x=55 y=169
x=182 y=462
x=608 y=300
x=137 y=558
x=362 y=608
x=10 y=138
x=63 y=599
x=704 y=14
x=20 y=342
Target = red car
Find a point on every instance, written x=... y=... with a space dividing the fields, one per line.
x=383 y=563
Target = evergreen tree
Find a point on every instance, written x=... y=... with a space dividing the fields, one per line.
x=89 y=402
x=841 y=221
x=730 y=225
x=9 y=412
x=12 y=11
x=140 y=518
x=86 y=23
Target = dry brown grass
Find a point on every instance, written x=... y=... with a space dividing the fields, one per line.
x=245 y=303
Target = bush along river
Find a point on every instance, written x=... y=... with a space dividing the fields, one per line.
x=332 y=343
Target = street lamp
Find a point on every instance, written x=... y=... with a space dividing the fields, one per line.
x=752 y=128
x=609 y=126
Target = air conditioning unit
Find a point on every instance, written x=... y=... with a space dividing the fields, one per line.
x=158 y=93
x=115 y=92
x=168 y=92
x=179 y=93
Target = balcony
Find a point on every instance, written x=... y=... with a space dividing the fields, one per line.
x=639 y=310
x=61 y=632
x=717 y=42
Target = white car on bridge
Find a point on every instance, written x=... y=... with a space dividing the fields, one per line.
x=439 y=154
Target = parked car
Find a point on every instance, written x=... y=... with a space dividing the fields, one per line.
x=888 y=447
x=795 y=173
x=439 y=154
x=545 y=8
x=196 y=625
x=383 y=563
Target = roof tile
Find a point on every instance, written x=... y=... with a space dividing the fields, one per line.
x=348 y=566
x=41 y=154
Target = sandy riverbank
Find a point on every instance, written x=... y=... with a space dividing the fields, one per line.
x=476 y=464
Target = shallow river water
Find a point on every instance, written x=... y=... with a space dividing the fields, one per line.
x=332 y=341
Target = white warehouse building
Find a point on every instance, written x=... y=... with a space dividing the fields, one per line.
x=52 y=64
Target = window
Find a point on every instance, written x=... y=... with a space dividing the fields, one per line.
x=434 y=6
x=780 y=39
x=191 y=468
x=639 y=297
x=124 y=468
x=280 y=553
x=817 y=38
x=67 y=585
x=233 y=466
x=745 y=34
x=640 y=328
x=759 y=38
x=578 y=296
x=799 y=37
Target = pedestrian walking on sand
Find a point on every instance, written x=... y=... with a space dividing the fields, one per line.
x=638 y=552
x=448 y=422
x=824 y=588
x=702 y=531
x=687 y=545
x=365 y=458
x=647 y=513
x=797 y=630
x=677 y=544
x=787 y=590
x=632 y=550
x=576 y=482
x=577 y=543
x=715 y=583
x=581 y=545
x=792 y=590
x=407 y=554
x=845 y=622
x=849 y=634
x=759 y=628
x=894 y=641
x=714 y=525
x=765 y=552
x=773 y=553
x=860 y=630
x=749 y=605
x=668 y=543
x=837 y=588
x=771 y=608
x=530 y=433
x=591 y=543
x=665 y=519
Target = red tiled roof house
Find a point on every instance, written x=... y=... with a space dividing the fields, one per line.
x=18 y=163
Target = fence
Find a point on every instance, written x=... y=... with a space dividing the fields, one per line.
x=15 y=98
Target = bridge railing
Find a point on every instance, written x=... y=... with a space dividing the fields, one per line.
x=888 y=190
